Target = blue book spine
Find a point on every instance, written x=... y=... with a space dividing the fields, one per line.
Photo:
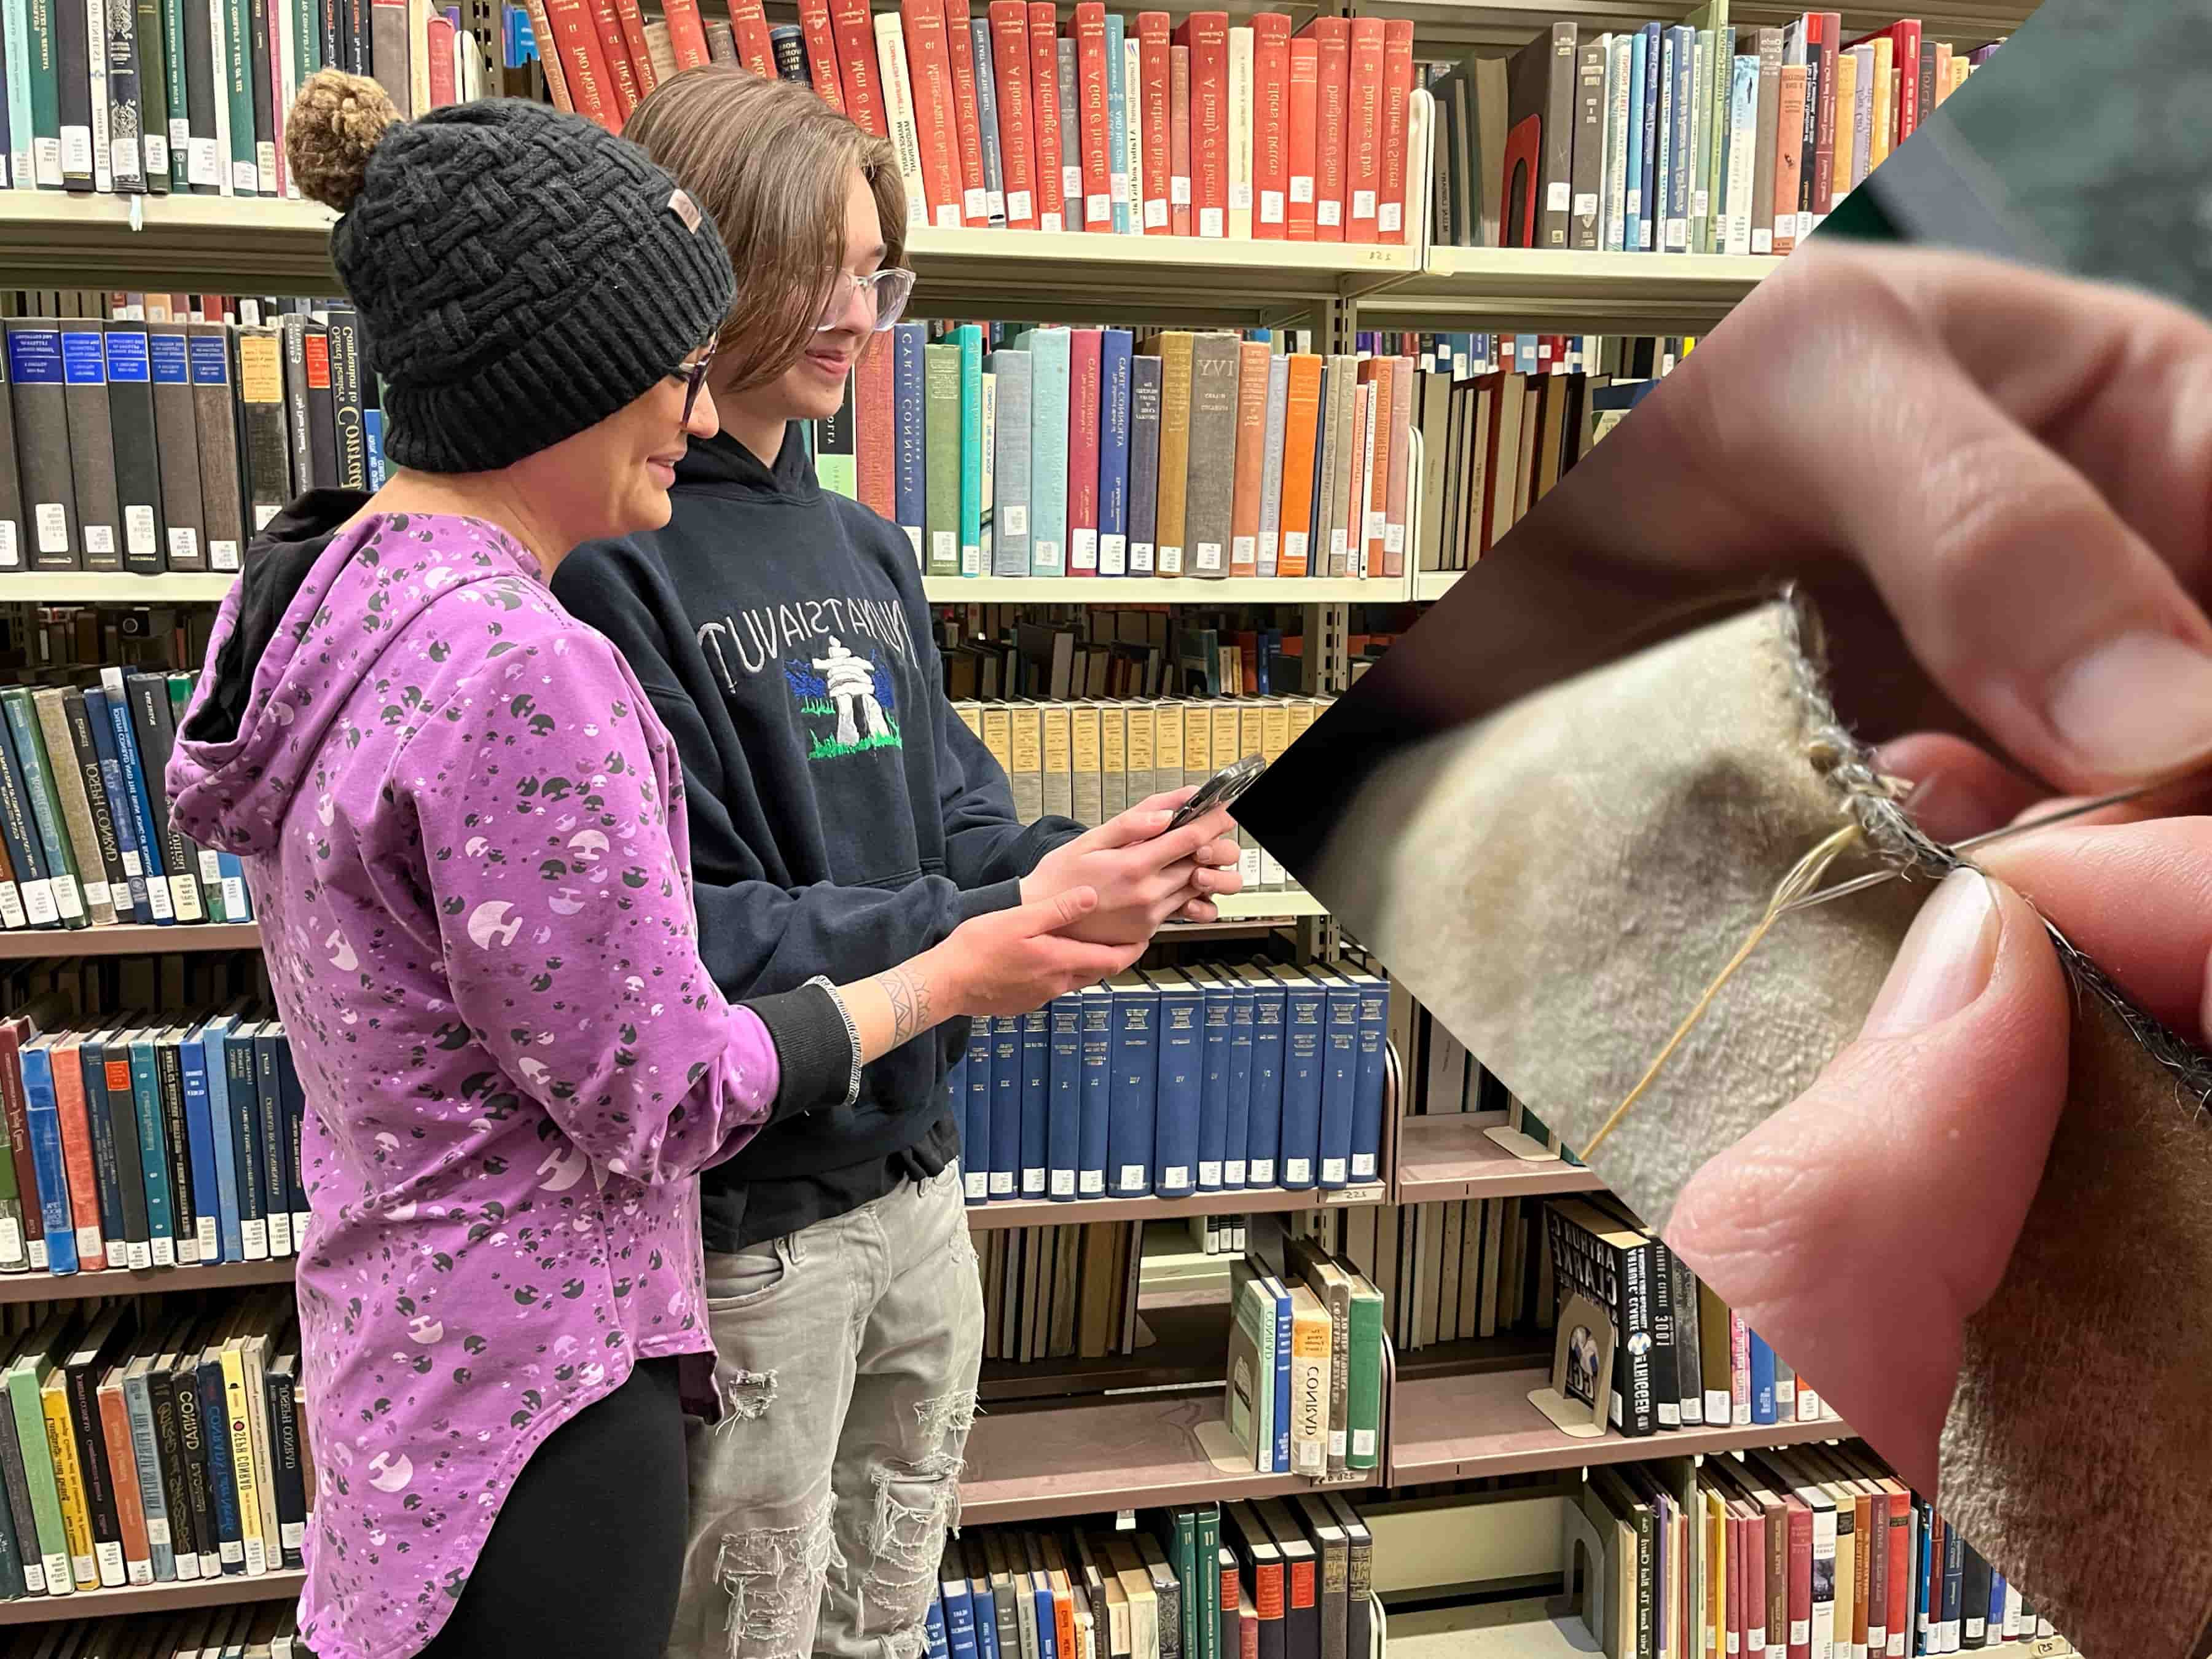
x=372 y=434
x=1762 y=1380
x=1064 y=1097
x=1117 y=118
x=140 y=803
x=1213 y=1086
x=237 y=895
x=1305 y=1015
x=223 y=1486
x=993 y=209
x=1135 y=1088
x=969 y=336
x=199 y=1136
x=1037 y=1101
x=153 y=1150
x=111 y=780
x=245 y=1097
x=1633 y=208
x=43 y=1119
x=933 y=1631
x=1682 y=180
x=1115 y=360
x=91 y=1067
x=987 y=1617
x=1996 y=1608
x=1340 y=1080
x=1048 y=404
x=1006 y=1105
x=213 y=1039
x=1367 y=1097
x=1954 y=1574
x=1174 y=1133
x=1237 y=1115
x=1923 y=1558
x=1282 y=1377
x=958 y=1629
x=1145 y=373
x=1264 y=1139
x=908 y=470
x=1647 y=116
x=975 y=1079
x=1096 y=1091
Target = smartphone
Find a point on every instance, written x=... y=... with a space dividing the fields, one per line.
x=1222 y=787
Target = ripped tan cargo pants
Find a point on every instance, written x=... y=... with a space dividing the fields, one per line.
x=847 y=1362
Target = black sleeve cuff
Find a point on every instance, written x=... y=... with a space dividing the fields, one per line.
x=813 y=1050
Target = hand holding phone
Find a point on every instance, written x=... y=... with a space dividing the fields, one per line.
x=1218 y=791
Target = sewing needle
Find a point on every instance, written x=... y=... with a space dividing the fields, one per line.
x=2082 y=810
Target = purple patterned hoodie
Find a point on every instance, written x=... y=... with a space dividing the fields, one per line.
x=465 y=828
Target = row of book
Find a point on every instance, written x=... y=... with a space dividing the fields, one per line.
x=1061 y=1292
x=1091 y=761
x=1687 y=136
x=86 y=838
x=148 y=1139
x=254 y=1630
x=148 y=444
x=1275 y=1579
x=1305 y=1392
x=140 y=1447
x=1808 y=1551
x=1100 y=652
x=1168 y=1083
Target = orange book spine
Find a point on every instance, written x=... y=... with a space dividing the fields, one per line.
x=1363 y=130
x=749 y=23
x=1301 y=432
x=1055 y=212
x=1789 y=156
x=76 y=1159
x=1390 y=206
x=1010 y=56
x=1375 y=530
x=1179 y=140
x=930 y=67
x=967 y=115
x=632 y=23
x=857 y=73
x=875 y=438
x=1251 y=458
x=1271 y=127
x=549 y=57
x=1331 y=39
x=123 y=1472
x=1155 y=83
x=1303 y=112
x=616 y=55
x=1090 y=31
x=820 y=36
x=687 y=32
x=1207 y=34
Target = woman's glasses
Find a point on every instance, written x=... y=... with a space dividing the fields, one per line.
x=884 y=293
x=694 y=375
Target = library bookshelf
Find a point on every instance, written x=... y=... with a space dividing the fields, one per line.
x=151 y=1598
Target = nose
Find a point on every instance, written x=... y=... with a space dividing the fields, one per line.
x=705 y=422
x=853 y=307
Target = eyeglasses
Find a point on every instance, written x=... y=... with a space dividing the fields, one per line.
x=885 y=293
x=694 y=375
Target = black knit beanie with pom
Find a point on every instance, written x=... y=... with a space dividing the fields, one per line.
x=520 y=274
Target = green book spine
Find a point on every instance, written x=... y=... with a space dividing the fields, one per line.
x=45 y=805
x=1185 y=1569
x=1363 y=1390
x=180 y=126
x=39 y=1471
x=237 y=79
x=153 y=95
x=941 y=434
x=1209 y=1581
x=306 y=40
x=970 y=340
x=46 y=110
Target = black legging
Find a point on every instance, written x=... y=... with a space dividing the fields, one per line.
x=587 y=1553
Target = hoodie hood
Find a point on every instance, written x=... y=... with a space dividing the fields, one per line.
x=721 y=463
x=339 y=594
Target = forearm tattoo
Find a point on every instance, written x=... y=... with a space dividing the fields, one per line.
x=909 y=997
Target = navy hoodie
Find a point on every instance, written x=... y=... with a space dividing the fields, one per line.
x=843 y=819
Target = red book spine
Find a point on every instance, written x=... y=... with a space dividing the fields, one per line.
x=930 y=67
x=749 y=24
x=1271 y=125
x=634 y=47
x=441 y=64
x=1010 y=56
x=1090 y=31
x=1801 y=1580
x=687 y=32
x=1304 y=112
x=1207 y=35
x=815 y=29
x=1267 y=1590
x=857 y=73
x=1906 y=34
x=1044 y=108
x=875 y=415
x=967 y=115
x=1390 y=215
x=1331 y=39
x=608 y=28
x=1083 y=377
x=1363 y=133
x=1301 y=1574
x=76 y=1159
x=1179 y=140
x=1900 y=1566
x=1155 y=83
x=1232 y=1592
x=1736 y=1569
x=1824 y=181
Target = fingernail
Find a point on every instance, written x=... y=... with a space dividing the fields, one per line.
x=2136 y=705
x=1946 y=961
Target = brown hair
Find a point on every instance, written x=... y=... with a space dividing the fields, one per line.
x=771 y=163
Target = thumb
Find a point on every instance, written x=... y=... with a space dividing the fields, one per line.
x=1057 y=910
x=1858 y=1228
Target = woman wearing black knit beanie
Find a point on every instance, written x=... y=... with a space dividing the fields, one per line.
x=465 y=826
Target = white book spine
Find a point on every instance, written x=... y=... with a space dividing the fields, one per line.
x=899 y=115
x=1132 y=129
x=1240 y=133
